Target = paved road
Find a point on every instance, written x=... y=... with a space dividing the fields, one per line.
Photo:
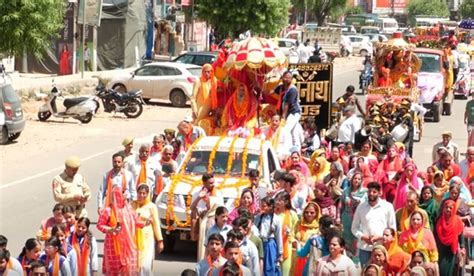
x=25 y=191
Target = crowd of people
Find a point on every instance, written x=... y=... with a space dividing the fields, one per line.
x=334 y=208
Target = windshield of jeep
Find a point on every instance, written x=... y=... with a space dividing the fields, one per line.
x=199 y=162
x=429 y=63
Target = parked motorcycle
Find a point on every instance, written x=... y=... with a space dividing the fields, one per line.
x=130 y=103
x=79 y=108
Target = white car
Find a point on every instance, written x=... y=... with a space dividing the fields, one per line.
x=376 y=37
x=286 y=44
x=160 y=80
x=360 y=45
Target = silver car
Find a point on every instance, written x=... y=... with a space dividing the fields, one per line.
x=12 y=121
x=160 y=80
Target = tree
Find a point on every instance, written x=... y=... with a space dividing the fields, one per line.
x=232 y=17
x=467 y=9
x=29 y=25
x=320 y=9
x=427 y=7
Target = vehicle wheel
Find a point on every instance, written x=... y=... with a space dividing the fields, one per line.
x=120 y=88
x=436 y=112
x=14 y=136
x=4 y=136
x=147 y=100
x=169 y=241
x=86 y=118
x=134 y=109
x=177 y=98
x=43 y=116
x=363 y=53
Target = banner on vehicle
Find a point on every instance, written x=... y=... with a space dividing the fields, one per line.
x=314 y=84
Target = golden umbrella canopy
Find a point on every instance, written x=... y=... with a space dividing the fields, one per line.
x=255 y=53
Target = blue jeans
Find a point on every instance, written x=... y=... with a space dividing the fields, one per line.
x=364 y=257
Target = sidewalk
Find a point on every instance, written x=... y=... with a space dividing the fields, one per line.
x=27 y=85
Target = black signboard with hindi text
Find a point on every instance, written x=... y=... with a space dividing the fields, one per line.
x=314 y=84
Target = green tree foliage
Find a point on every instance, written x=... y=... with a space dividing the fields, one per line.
x=355 y=10
x=30 y=25
x=427 y=7
x=467 y=9
x=320 y=9
x=233 y=17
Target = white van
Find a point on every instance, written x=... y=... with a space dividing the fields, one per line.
x=388 y=25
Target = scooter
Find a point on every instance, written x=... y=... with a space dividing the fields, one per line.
x=79 y=108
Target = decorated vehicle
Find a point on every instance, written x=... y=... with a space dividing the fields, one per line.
x=432 y=83
x=395 y=69
x=230 y=158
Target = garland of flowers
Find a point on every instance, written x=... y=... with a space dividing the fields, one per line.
x=260 y=158
x=170 y=214
x=230 y=160
x=244 y=157
x=212 y=156
x=240 y=109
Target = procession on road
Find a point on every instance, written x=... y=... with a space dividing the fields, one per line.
x=267 y=170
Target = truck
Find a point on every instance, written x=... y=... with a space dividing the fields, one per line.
x=329 y=38
x=432 y=83
x=230 y=158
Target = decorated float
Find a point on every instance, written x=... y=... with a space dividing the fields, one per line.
x=396 y=68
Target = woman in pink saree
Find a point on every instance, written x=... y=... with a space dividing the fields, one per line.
x=118 y=221
x=408 y=181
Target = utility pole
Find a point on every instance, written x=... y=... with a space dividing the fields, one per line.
x=83 y=3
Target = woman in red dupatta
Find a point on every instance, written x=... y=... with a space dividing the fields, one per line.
x=408 y=181
x=449 y=238
x=391 y=164
x=117 y=221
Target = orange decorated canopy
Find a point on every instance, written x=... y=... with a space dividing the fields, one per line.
x=255 y=53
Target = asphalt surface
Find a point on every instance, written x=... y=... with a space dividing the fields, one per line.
x=25 y=187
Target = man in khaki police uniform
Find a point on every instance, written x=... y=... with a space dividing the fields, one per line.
x=70 y=188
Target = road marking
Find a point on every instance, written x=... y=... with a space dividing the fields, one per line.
x=16 y=182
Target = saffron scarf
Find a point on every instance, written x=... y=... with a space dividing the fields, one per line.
x=108 y=190
x=142 y=176
x=188 y=139
x=139 y=231
x=449 y=229
x=286 y=233
x=81 y=255
x=55 y=271
x=213 y=85
x=414 y=245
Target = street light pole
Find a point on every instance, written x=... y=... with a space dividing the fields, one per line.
x=83 y=36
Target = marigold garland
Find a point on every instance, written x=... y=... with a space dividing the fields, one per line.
x=240 y=109
x=212 y=156
x=260 y=158
x=170 y=214
x=230 y=159
x=244 y=157
x=240 y=183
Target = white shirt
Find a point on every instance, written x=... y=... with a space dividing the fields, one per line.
x=153 y=168
x=130 y=192
x=452 y=148
x=250 y=256
x=372 y=221
x=284 y=142
x=214 y=200
x=348 y=128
